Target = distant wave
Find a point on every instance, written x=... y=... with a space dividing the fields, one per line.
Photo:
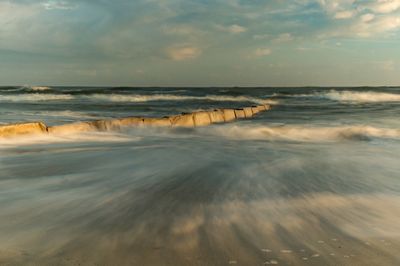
x=172 y=97
x=130 y=98
x=305 y=133
x=347 y=96
x=362 y=97
x=38 y=88
x=35 y=97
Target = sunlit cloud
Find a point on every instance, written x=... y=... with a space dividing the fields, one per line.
x=385 y=6
x=142 y=34
x=59 y=4
x=232 y=28
x=183 y=52
x=260 y=52
x=284 y=37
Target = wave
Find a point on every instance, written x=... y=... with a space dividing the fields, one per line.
x=35 y=97
x=172 y=97
x=69 y=137
x=32 y=97
x=305 y=133
x=347 y=96
x=38 y=88
x=362 y=97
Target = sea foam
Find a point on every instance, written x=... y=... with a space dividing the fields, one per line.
x=35 y=97
x=361 y=97
x=305 y=133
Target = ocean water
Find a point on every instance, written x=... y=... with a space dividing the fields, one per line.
x=313 y=181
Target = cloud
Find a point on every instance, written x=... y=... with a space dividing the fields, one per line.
x=344 y=14
x=232 y=28
x=179 y=30
x=380 y=25
x=58 y=4
x=260 y=52
x=261 y=36
x=385 y=6
x=284 y=37
x=367 y=17
x=183 y=52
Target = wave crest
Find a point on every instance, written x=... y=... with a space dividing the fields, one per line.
x=362 y=97
x=35 y=97
x=306 y=133
x=172 y=97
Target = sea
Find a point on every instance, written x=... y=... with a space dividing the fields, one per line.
x=313 y=181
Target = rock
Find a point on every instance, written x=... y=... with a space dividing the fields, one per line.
x=73 y=128
x=229 y=115
x=217 y=116
x=22 y=129
x=255 y=110
x=157 y=122
x=262 y=107
x=247 y=112
x=129 y=121
x=239 y=113
x=105 y=125
x=266 y=107
x=201 y=119
x=184 y=120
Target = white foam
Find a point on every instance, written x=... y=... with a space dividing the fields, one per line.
x=172 y=97
x=35 y=97
x=39 y=88
x=347 y=96
x=39 y=139
x=303 y=133
x=362 y=97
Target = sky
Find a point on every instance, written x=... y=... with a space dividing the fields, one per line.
x=200 y=42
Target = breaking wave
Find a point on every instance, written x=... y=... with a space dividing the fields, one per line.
x=305 y=133
x=68 y=137
x=346 y=96
x=172 y=97
x=362 y=97
x=37 y=88
x=32 y=97
x=35 y=97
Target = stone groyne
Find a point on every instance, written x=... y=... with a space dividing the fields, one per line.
x=195 y=119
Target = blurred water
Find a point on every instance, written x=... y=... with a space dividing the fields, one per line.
x=314 y=181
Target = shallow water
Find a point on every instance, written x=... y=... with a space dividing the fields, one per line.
x=314 y=181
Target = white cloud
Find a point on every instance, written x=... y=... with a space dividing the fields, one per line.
x=261 y=36
x=344 y=14
x=232 y=28
x=58 y=4
x=259 y=52
x=179 y=30
x=385 y=6
x=183 y=52
x=376 y=26
x=367 y=17
x=284 y=37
